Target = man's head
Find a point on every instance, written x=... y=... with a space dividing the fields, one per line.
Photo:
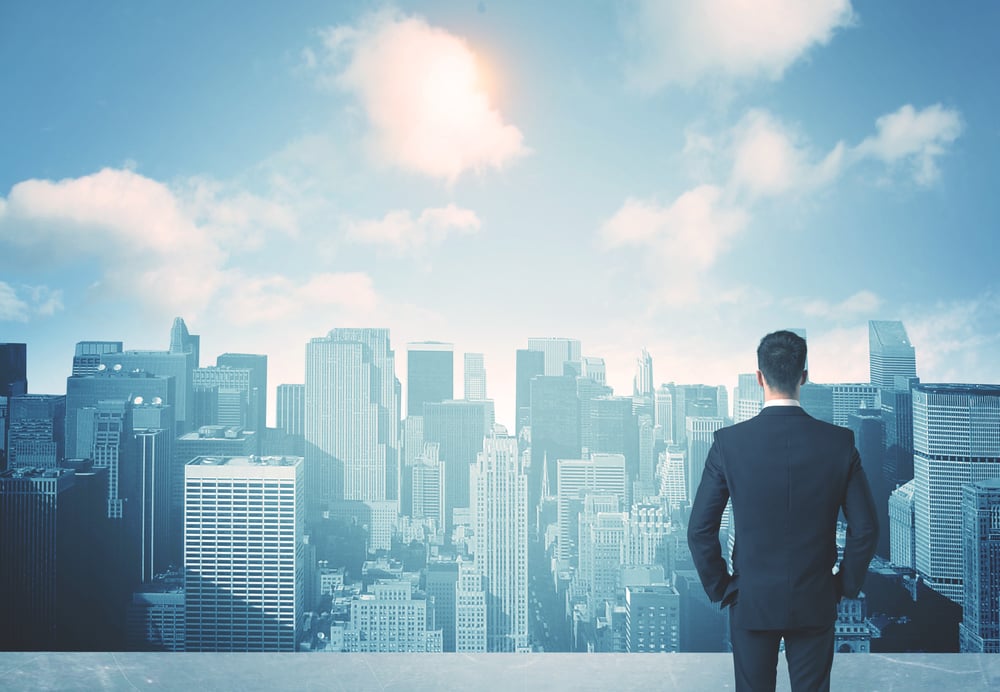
x=781 y=359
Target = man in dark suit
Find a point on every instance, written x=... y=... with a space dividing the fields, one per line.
x=788 y=476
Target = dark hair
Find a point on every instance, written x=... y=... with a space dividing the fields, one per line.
x=781 y=357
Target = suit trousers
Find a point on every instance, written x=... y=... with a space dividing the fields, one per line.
x=809 y=653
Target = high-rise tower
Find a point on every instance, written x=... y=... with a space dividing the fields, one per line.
x=430 y=374
x=500 y=489
x=890 y=353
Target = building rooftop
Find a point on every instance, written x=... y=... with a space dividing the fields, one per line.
x=416 y=672
x=244 y=461
x=958 y=388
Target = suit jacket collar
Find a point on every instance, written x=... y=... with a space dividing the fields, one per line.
x=782 y=411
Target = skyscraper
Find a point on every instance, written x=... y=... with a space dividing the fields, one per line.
x=500 y=489
x=652 y=617
x=700 y=436
x=49 y=559
x=889 y=353
x=749 y=399
x=88 y=354
x=848 y=398
x=257 y=393
x=475 y=377
x=158 y=363
x=979 y=631
x=221 y=396
x=13 y=369
x=956 y=440
x=555 y=428
x=182 y=341
x=153 y=449
x=430 y=374
x=244 y=549
x=602 y=474
x=352 y=416
x=37 y=430
x=291 y=403
x=595 y=369
x=558 y=351
x=442 y=585
x=458 y=428
x=642 y=383
x=528 y=364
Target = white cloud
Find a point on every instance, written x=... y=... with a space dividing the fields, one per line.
x=423 y=91
x=862 y=303
x=250 y=299
x=18 y=304
x=915 y=137
x=401 y=231
x=167 y=246
x=680 y=42
x=695 y=229
x=956 y=341
x=12 y=308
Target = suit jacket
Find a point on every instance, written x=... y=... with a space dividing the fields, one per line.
x=788 y=476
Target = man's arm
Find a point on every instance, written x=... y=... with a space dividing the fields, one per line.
x=862 y=529
x=703 y=529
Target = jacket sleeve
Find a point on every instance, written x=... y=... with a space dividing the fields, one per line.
x=862 y=528
x=703 y=528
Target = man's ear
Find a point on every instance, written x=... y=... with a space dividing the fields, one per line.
x=760 y=378
x=805 y=376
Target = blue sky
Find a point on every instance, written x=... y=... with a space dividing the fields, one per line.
x=680 y=176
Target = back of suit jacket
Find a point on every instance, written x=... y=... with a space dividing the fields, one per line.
x=788 y=476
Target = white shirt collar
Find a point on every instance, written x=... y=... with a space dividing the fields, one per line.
x=782 y=402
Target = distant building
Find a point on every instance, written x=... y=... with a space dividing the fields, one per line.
x=352 y=417
x=558 y=351
x=470 y=610
x=458 y=428
x=642 y=383
x=428 y=491
x=475 y=377
x=500 y=502
x=50 y=559
x=244 y=568
x=749 y=399
x=442 y=585
x=390 y=620
x=848 y=398
x=852 y=632
x=257 y=391
x=221 y=396
x=890 y=353
x=956 y=440
x=902 y=533
x=595 y=369
x=430 y=374
x=156 y=615
x=652 y=619
x=700 y=434
x=291 y=403
x=979 y=631
x=37 y=430
x=88 y=355
x=529 y=364
x=555 y=429
x=672 y=470
x=179 y=366
x=602 y=474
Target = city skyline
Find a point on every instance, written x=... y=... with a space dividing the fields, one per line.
x=655 y=178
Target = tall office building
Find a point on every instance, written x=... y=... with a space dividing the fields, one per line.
x=558 y=352
x=49 y=559
x=979 y=631
x=257 y=394
x=470 y=610
x=848 y=398
x=902 y=532
x=244 y=550
x=555 y=428
x=956 y=440
x=663 y=413
x=500 y=489
x=106 y=384
x=672 y=469
x=155 y=620
x=109 y=425
x=352 y=416
x=642 y=383
x=890 y=353
x=475 y=377
x=595 y=369
x=428 y=489
x=183 y=341
x=697 y=400
x=601 y=474
x=458 y=428
x=700 y=436
x=615 y=430
x=291 y=403
x=588 y=392
x=37 y=430
x=221 y=396
x=749 y=399
x=601 y=532
x=87 y=356
x=153 y=450
x=652 y=619
x=817 y=401
x=13 y=382
x=180 y=366
x=897 y=412
x=442 y=584
x=528 y=365
x=868 y=427
x=208 y=441
x=430 y=374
